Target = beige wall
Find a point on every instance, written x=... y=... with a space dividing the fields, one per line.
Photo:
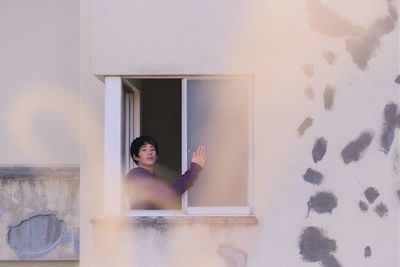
x=39 y=73
x=92 y=136
x=159 y=37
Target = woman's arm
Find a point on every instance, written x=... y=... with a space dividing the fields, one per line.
x=186 y=180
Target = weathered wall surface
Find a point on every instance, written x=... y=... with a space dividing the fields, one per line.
x=326 y=122
x=39 y=213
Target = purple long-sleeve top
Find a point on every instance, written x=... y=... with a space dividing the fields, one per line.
x=179 y=186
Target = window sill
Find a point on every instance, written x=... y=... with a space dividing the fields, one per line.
x=177 y=220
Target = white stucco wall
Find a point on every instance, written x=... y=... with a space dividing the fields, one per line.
x=283 y=45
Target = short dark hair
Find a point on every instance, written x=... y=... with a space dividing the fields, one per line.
x=141 y=141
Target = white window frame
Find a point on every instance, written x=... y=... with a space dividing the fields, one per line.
x=132 y=113
x=119 y=132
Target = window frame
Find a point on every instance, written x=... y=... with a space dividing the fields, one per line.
x=132 y=112
x=218 y=210
x=130 y=109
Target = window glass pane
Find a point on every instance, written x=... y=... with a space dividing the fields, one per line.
x=218 y=117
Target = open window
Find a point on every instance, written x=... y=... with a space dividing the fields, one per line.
x=182 y=113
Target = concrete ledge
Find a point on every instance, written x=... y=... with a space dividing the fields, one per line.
x=178 y=220
x=39 y=172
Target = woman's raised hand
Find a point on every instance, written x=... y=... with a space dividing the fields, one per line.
x=200 y=156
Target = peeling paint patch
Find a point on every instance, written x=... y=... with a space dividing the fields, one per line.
x=329 y=95
x=322 y=202
x=326 y=21
x=355 y=149
x=329 y=57
x=363 y=48
x=397 y=80
x=363 y=206
x=367 y=252
x=314 y=247
x=319 y=149
x=371 y=194
x=313 y=177
x=304 y=126
x=35 y=236
x=389 y=126
x=66 y=239
x=310 y=93
x=232 y=255
x=308 y=70
x=381 y=210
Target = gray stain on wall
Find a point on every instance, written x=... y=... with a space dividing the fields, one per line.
x=304 y=126
x=330 y=261
x=326 y=21
x=329 y=95
x=232 y=255
x=355 y=149
x=367 y=252
x=363 y=206
x=361 y=42
x=397 y=79
x=314 y=247
x=371 y=194
x=36 y=236
x=158 y=226
x=381 y=210
x=363 y=48
x=389 y=126
x=313 y=177
x=322 y=202
x=319 y=149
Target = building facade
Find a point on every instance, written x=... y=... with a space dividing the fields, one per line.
x=297 y=102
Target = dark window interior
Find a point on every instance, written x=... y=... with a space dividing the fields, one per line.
x=161 y=118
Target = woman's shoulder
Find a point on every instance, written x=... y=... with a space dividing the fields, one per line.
x=139 y=172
